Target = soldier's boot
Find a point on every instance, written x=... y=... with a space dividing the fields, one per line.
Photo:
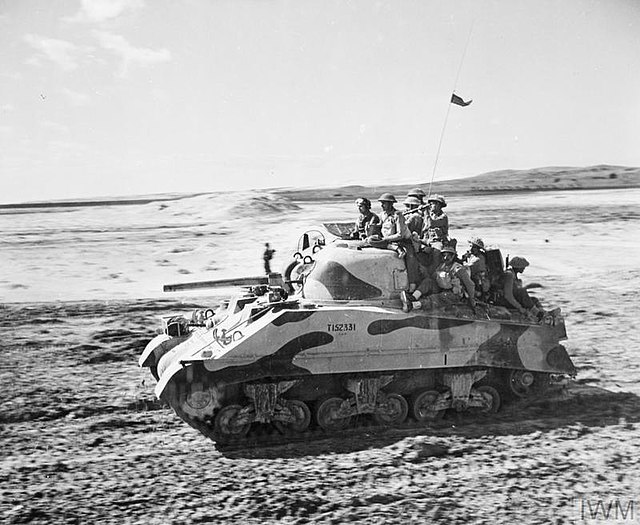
x=407 y=301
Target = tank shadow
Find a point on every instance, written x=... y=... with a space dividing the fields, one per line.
x=577 y=408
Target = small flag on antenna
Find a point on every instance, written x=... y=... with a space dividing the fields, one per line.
x=455 y=99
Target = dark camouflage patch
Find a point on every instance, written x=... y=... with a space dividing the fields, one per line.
x=501 y=350
x=386 y=326
x=342 y=284
x=292 y=317
x=278 y=364
x=559 y=360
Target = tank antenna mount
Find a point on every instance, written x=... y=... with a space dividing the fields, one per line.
x=446 y=118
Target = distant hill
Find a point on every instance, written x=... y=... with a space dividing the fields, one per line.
x=537 y=179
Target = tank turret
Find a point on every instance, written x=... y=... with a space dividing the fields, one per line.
x=341 y=349
x=345 y=271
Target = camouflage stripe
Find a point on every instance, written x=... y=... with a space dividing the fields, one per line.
x=343 y=285
x=502 y=349
x=292 y=317
x=386 y=326
x=278 y=364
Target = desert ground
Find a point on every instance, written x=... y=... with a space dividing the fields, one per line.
x=84 y=440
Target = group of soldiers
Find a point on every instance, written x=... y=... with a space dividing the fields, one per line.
x=437 y=277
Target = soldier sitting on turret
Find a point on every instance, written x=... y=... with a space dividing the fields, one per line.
x=475 y=260
x=396 y=236
x=365 y=220
x=449 y=284
x=436 y=224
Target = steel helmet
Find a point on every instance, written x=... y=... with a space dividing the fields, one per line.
x=477 y=241
x=363 y=201
x=518 y=262
x=449 y=249
x=387 y=197
x=438 y=198
x=416 y=192
x=411 y=201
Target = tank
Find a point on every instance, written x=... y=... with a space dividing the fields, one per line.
x=329 y=347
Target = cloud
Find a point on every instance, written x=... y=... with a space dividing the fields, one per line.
x=102 y=10
x=75 y=98
x=130 y=54
x=54 y=127
x=60 y=52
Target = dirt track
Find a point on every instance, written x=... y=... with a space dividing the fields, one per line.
x=85 y=441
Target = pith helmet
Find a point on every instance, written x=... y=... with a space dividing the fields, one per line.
x=477 y=241
x=387 y=197
x=363 y=201
x=518 y=262
x=416 y=192
x=438 y=198
x=449 y=249
x=411 y=201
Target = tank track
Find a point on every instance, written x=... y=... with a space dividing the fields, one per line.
x=263 y=436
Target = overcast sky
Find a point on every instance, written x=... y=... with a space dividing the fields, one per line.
x=118 y=97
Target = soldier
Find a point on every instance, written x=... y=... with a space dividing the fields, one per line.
x=513 y=294
x=413 y=217
x=366 y=218
x=436 y=226
x=475 y=260
x=414 y=224
x=418 y=194
x=449 y=284
x=266 y=257
x=396 y=236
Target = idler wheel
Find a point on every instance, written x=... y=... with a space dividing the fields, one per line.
x=491 y=398
x=301 y=414
x=227 y=423
x=422 y=403
x=395 y=412
x=520 y=382
x=327 y=414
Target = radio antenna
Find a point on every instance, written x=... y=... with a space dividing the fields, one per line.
x=455 y=84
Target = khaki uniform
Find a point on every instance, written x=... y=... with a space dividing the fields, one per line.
x=436 y=228
x=363 y=222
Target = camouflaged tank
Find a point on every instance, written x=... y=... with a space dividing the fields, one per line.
x=341 y=350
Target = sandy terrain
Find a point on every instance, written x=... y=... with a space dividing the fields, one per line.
x=85 y=441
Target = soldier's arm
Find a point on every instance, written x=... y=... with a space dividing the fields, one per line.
x=403 y=229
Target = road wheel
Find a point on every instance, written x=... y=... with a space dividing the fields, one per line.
x=422 y=403
x=326 y=415
x=491 y=398
x=227 y=424
x=302 y=417
x=396 y=411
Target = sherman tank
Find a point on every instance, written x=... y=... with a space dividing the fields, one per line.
x=329 y=347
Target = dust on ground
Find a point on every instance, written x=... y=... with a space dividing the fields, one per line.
x=85 y=441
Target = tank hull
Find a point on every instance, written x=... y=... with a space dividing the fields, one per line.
x=308 y=352
x=334 y=340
